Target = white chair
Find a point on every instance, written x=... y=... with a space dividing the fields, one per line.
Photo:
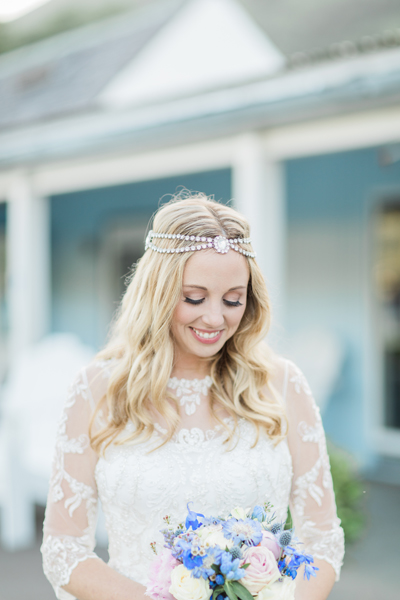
x=320 y=355
x=31 y=406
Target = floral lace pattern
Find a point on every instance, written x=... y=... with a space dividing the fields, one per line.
x=189 y=391
x=315 y=484
x=61 y=555
x=138 y=484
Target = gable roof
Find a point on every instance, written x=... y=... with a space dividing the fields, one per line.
x=65 y=74
x=307 y=26
x=51 y=92
x=314 y=26
x=208 y=44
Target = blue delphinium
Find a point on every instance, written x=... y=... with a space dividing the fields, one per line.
x=229 y=566
x=181 y=547
x=259 y=513
x=208 y=558
x=192 y=520
x=239 y=530
x=297 y=558
x=310 y=571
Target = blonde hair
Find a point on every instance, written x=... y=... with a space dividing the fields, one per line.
x=142 y=342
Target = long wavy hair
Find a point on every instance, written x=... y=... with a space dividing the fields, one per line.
x=143 y=346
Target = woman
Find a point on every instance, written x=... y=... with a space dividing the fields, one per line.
x=186 y=403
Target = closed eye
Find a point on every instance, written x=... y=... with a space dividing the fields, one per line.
x=191 y=301
x=237 y=303
x=227 y=302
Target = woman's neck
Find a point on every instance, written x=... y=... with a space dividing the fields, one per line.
x=190 y=367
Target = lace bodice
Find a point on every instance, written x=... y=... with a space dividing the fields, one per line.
x=137 y=488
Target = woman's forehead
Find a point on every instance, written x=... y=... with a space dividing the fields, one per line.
x=210 y=269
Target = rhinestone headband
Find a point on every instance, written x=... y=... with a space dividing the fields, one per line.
x=220 y=243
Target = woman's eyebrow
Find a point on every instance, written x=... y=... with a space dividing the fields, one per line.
x=199 y=287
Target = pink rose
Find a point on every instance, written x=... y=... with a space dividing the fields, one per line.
x=262 y=570
x=160 y=576
x=269 y=541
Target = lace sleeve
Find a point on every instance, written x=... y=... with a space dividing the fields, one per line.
x=312 y=501
x=71 y=512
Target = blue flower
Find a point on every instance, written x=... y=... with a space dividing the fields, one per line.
x=220 y=579
x=239 y=530
x=192 y=520
x=259 y=513
x=230 y=567
x=285 y=538
x=310 y=571
x=291 y=572
x=190 y=561
x=180 y=547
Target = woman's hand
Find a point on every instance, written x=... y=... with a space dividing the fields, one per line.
x=319 y=587
x=92 y=579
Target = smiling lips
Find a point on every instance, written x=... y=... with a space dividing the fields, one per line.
x=206 y=337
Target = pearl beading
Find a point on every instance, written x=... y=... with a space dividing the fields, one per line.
x=220 y=243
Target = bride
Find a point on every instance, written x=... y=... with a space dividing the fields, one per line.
x=186 y=403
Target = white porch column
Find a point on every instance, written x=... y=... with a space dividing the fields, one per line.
x=28 y=289
x=28 y=264
x=258 y=192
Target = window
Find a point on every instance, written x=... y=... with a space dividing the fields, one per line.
x=387 y=287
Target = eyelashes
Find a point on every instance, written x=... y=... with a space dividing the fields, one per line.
x=191 y=301
x=237 y=303
x=227 y=302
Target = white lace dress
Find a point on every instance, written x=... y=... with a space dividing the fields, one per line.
x=137 y=488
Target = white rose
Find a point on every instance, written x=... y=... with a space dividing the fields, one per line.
x=280 y=590
x=186 y=587
x=212 y=535
x=239 y=513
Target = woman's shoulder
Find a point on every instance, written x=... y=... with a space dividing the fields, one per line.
x=95 y=377
x=284 y=374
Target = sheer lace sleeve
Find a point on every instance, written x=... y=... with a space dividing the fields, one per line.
x=70 y=521
x=312 y=501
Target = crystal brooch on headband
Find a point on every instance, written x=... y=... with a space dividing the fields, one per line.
x=220 y=243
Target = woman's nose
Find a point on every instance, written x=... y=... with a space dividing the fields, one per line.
x=214 y=317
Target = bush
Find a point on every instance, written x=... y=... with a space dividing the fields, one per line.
x=348 y=492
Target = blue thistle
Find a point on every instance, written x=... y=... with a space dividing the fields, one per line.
x=236 y=552
x=276 y=528
x=285 y=538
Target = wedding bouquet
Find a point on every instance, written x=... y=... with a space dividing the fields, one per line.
x=242 y=556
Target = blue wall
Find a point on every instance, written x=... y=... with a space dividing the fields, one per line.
x=330 y=202
x=78 y=221
x=338 y=186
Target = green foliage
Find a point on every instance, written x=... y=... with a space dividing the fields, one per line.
x=348 y=492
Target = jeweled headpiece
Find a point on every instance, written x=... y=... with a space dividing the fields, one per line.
x=220 y=243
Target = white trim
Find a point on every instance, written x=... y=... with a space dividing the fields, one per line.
x=114 y=170
x=336 y=134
